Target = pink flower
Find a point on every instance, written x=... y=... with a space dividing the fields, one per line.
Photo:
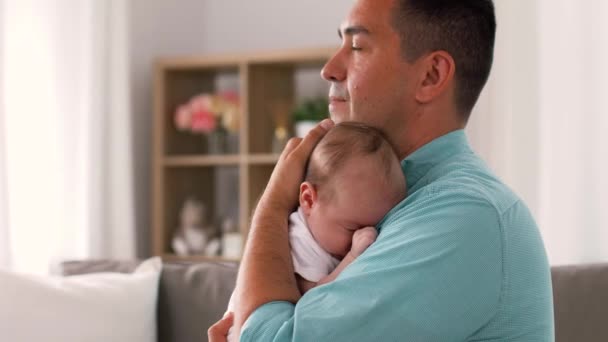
x=203 y=121
x=204 y=113
x=230 y=97
x=201 y=102
x=182 y=118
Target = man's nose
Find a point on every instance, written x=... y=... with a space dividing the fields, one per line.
x=334 y=70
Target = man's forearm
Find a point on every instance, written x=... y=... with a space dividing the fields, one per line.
x=348 y=259
x=266 y=273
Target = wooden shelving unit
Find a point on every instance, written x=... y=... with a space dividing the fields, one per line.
x=228 y=184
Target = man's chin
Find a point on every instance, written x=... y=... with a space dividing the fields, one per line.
x=338 y=117
x=339 y=111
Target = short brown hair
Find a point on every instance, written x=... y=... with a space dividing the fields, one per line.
x=466 y=29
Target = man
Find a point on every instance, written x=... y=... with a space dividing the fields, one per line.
x=460 y=259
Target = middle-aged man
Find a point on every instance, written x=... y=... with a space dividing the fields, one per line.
x=460 y=259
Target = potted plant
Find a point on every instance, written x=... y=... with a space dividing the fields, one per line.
x=308 y=114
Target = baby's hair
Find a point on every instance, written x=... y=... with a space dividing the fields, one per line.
x=342 y=142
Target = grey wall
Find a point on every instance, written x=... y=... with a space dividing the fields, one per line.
x=187 y=27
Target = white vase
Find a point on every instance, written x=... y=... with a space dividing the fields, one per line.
x=303 y=127
x=232 y=245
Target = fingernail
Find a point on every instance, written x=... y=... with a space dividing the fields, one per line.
x=327 y=124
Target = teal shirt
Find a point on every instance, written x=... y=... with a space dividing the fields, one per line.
x=460 y=259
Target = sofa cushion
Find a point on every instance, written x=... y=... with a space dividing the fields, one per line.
x=80 y=308
x=68 y=268
x=580 y=297
x=191 y=296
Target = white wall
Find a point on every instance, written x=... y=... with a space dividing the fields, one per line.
x=4 y=238
x=541 y=121
x=504 y=127
x=186 y=27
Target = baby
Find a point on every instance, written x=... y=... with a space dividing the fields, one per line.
x=353 y=179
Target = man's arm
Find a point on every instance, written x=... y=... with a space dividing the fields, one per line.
x=433 y=274
x=266 y=273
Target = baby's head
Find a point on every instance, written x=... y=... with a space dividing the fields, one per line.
x=352 y=180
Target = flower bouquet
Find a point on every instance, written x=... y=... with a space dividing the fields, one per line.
x=216 y=116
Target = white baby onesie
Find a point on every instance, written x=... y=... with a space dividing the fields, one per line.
x=310 y=261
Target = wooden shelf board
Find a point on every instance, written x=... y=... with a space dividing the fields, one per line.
x=262 y=159
x=202 y=160
x=232 y=61
x=198 y=62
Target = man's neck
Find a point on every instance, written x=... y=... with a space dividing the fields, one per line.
x=412 y=141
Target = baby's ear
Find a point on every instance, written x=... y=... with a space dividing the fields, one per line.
x=308 y=197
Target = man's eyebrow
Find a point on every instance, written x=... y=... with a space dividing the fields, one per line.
x=352 y=30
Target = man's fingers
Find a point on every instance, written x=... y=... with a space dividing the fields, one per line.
x=288 y=173
x=314 y=136
x=368 y=232
x=219 y=331
x=290 y=146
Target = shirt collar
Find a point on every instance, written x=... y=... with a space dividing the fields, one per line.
x=419 y=163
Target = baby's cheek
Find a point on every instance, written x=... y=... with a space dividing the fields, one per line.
x=345 y=240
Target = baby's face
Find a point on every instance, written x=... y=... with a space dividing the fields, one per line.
x=358 y=199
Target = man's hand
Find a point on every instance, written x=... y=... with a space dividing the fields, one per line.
x=283 y=188
x=266 y=272
x=362 y=239
x=219 y=331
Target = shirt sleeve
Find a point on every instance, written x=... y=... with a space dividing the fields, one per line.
x=434 y=274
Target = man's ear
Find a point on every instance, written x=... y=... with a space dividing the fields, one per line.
x=438 y=69
x=308 y=197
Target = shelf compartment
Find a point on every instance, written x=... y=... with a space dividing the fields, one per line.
x=217 y=187
x=263 y=159
x=258 y=176
x=177 y=88
x=274 y=89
